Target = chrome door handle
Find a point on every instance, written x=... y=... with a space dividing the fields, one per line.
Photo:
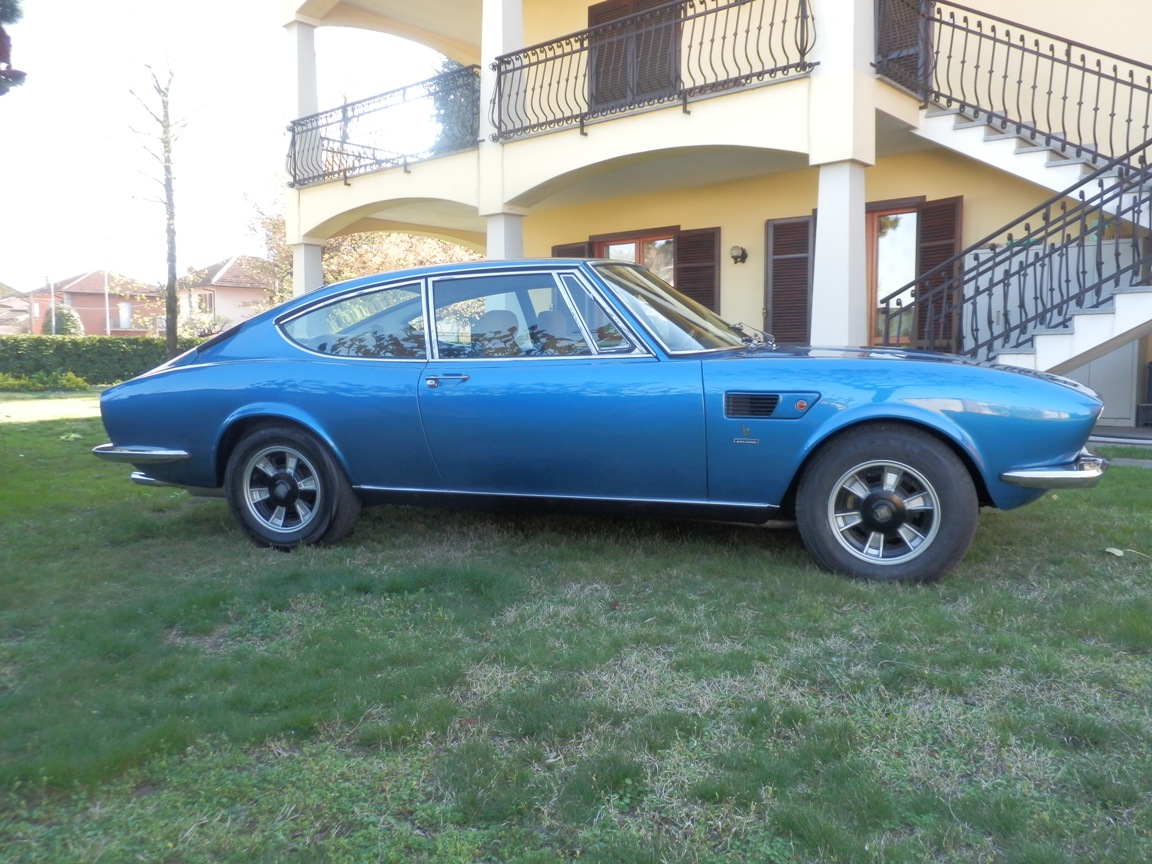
x=433 y=381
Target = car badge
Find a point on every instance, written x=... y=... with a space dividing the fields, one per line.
x=745 y=436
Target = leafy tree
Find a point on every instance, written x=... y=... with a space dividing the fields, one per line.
x=361 y=254
x=277 y=258
x=67 y=322
x=353 y=254
x=456 y=106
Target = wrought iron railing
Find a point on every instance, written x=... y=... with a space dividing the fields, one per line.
x=1069 y=96
x=674 y=52
x=1070 y=254
x=400 y=127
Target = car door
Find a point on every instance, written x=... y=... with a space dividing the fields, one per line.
x=511 y=407
x=365 y=352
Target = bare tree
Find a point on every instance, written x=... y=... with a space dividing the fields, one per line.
x=166 y=136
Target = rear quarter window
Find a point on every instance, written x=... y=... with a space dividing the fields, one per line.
x=381 y=323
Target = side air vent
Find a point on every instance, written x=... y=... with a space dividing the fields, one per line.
x=750 y=404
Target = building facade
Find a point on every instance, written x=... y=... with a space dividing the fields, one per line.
x=897 y=172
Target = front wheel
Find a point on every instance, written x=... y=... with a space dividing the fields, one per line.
x=887 y=502
x=285 y=489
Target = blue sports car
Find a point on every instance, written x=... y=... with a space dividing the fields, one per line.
x=593 y=384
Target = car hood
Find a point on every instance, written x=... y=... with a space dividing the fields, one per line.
x=897 y=355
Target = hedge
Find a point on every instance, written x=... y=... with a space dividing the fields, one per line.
x=97 y=359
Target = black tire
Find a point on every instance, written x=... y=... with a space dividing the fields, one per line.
x=887 y=502
x=286 y=490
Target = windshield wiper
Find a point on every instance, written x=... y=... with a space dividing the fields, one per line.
x=756 y=337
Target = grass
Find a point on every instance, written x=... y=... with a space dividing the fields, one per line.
x=464 y=687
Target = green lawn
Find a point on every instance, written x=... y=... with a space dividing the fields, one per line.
x=464 y=687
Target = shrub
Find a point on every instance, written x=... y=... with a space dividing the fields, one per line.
x=42 y=382
x=96 y=359
x=67 y=322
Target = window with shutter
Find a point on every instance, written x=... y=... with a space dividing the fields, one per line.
x=689 y=260
x=571 y=250
x=698 y=265
x=634 y=56
x=938 y=240
x=904 y=42
x=906 y=248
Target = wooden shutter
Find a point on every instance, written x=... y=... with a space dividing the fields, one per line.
x=631 y=64
x=697 y=265
x=788 y=281
x=655 y=50
x=572 y=250
x=938 y=229
x=904 y=43
x=608 y=64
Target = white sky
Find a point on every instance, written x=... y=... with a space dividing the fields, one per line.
x=78 y=187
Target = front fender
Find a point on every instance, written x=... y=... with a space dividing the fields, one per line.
x=937 y=423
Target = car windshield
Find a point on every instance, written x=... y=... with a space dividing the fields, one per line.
x=679 y=322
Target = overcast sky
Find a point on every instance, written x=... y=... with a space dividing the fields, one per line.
x=78 y=188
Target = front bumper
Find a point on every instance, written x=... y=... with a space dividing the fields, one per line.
x=1084 y=472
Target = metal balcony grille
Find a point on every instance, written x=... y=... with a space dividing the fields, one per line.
x=673 y=52
x=400 y=127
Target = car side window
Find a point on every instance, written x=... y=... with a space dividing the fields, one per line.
x=383 y=323
x=506 y=315
x=605 y=335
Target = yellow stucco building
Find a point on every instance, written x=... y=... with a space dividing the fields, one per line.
x=834 y=171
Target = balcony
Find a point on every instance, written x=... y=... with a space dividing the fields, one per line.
x=410 y=124
x=675 y=52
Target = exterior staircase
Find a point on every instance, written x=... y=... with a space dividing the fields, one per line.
x=1122 y=312
x=1071 y=280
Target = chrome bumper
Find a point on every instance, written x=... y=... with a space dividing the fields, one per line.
x=1084 y=472
x=138 y=455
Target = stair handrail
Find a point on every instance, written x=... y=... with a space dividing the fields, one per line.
x=1030 y=285
x=962 y=58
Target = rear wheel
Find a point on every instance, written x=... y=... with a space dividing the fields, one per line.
x=285 y=489
x=887 y=502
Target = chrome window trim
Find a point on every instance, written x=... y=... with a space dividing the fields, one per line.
x=418 y=284
x=688 y=352
x=639 y=347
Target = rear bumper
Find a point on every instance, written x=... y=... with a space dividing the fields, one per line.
x=1086 y=471
x=139 y=455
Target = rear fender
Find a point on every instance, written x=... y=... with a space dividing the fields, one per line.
x=249 y=417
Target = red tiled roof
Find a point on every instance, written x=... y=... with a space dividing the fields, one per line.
x=93 y=283
x=239 y=271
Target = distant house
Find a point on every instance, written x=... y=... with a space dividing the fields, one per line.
x=227 y=291
x=14 y=319
x=113 y=305
x=108 y=304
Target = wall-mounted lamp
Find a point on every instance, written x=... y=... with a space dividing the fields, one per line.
x=739 y=254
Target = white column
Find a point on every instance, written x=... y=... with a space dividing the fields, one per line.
x=501 y=31
x=307 y=267
x=303 y=38
x=839 y=283
x=307 y=272
x=505 y=235
x=842 y=129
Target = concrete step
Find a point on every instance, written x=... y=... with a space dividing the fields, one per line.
x=1092 y=334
